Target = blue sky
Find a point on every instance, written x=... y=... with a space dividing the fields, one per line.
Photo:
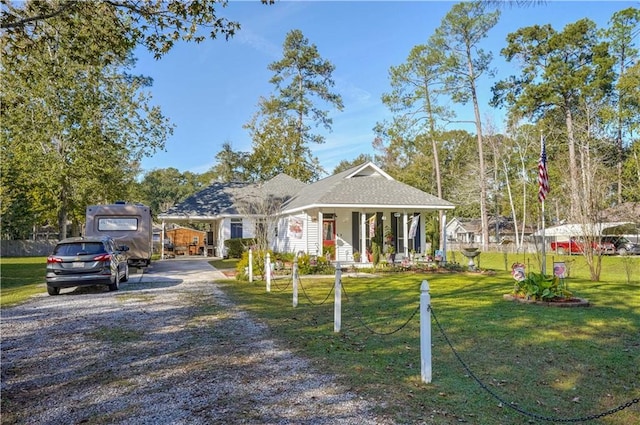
x=210 y=90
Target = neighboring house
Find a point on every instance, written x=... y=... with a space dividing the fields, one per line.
x=336 y=216
x=468 y=231
x=464 y=231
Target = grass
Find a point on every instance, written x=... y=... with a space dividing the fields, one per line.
x=226 y=263
x=21 y=278
x=553 y=362
x=117 y=335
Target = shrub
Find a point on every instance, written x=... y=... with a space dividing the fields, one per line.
x=375 y=252
x=235 y=247
x=453 y=267
x=537 y=286
x=258 y=264
x=320 y=265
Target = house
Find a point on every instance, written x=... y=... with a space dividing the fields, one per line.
x=468 y=231
x=336 y=216
x=464 y=231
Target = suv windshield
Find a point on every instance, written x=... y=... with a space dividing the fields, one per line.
x=79 y=248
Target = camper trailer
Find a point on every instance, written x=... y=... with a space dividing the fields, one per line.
x=127 y=224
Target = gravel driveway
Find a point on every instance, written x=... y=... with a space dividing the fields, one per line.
x=168 y=348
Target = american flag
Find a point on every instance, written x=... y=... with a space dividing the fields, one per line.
x=372 y=226
x=543 y=175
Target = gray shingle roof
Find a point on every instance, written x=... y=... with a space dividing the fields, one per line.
x=214 y=200
x=224 y=199
x=364 y=185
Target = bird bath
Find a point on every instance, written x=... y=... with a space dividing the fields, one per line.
x=471 y=253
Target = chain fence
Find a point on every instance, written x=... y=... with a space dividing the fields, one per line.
x=279 y=287
x=503 y=402
x=369 y=327
x=309 y=298
x=514 y=406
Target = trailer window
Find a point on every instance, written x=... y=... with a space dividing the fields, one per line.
x=117 y=223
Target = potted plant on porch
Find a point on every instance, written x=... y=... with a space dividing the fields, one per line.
x=391 y=254
x=356 y=256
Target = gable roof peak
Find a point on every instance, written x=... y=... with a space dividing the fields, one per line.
x=368 y=169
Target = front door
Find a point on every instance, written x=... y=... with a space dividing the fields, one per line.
x=329 y=237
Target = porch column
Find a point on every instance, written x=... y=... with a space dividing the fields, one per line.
x=421 y=232
x=405 y=230
x=320 y=235
x=444 y=237
x=363 y=238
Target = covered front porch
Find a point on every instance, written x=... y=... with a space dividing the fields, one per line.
x=357 y=236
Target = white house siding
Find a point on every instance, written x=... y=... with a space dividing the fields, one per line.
x=313 y=242
x=344 y=245
x=288 y=241
x=224 y=231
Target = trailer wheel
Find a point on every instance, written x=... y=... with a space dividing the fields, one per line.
x=561 y=251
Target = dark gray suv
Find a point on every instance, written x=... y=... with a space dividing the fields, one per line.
x=84 y=261
x=623 y=245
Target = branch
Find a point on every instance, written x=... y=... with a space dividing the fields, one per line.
x=24 y=21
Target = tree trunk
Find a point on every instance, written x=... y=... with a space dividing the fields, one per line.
x=483 y=181
x=436 y=165
x=573 y=165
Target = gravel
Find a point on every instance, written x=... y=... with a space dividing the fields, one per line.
x=168 y=348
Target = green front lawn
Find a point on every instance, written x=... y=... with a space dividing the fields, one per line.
x=551 y=362
x=20 y=278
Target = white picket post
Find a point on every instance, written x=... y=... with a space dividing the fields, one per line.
x=425 y=332
x=294 y=276
x=250 y=265
x=267 y=271
x=337 y=313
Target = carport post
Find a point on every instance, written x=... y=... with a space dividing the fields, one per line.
x=425 y=332
x=267 y=271
x=162 y=242
x=250 y=265
x=294 y=276
x=337 y=309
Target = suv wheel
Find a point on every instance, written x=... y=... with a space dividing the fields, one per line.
x=126 y=273
x=115 y=285
x=52 y=290
x=622 y=251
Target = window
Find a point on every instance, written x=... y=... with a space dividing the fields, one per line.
x=118 y=223
x=236 y=228
x=195 y=240
x=79 y=248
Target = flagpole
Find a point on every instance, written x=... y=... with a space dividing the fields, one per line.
x=544 y=239
x=544 y=244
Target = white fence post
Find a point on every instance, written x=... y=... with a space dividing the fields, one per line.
x=250 y=265
x=294 y=276
x=337 y=309
x=425 y=332
x=267 y=271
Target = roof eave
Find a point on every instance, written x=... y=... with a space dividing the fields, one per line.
x=367 y=206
